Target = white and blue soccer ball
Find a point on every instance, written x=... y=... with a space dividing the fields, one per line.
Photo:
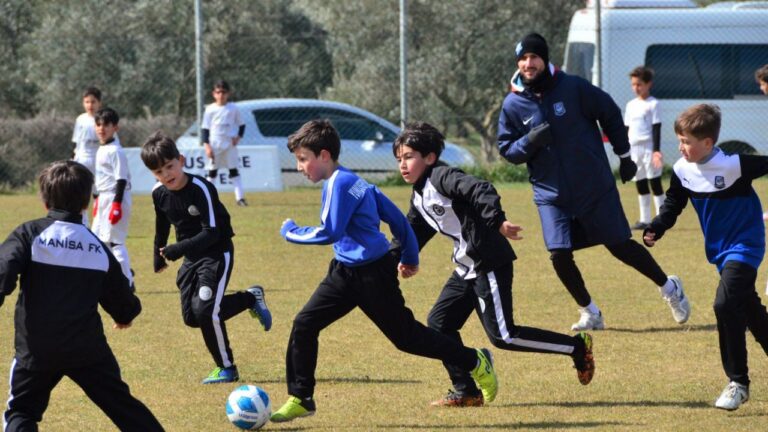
x=248 y=407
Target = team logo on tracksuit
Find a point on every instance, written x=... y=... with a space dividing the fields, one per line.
x=438 y=210
x=719 y=182
x=193 y=211
x=559 y=108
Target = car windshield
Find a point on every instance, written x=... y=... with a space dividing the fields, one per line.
x=281 y=122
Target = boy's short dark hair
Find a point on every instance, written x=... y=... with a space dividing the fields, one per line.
x=645 y=74
x=422 y=137
x=106 y=116
x=157 y=150
x=316 y=135
x=92 y=91
x=221 y=85
x=702 y=121
x=762 y=74
x=65 y=185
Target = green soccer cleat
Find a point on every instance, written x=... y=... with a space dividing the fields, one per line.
x=222 y=375
x=585 y=364
x=485 y=376
x=294 y=409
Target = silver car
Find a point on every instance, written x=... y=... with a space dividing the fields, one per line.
x=366 y=139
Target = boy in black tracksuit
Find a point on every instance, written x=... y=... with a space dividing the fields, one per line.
x=66 y=272
x=468 y=211
x=204 y=238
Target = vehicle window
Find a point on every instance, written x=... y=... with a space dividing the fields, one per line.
x=355 y=127
x=704 y=71
x=281 y=122
x=748 y=59
x=580 y=58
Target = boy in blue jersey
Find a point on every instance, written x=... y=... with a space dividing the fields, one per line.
x=720 y=188
x=468 y=210
x=362 y=274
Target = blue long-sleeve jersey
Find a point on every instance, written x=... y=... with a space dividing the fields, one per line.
x=729 y=210
x=351 y=213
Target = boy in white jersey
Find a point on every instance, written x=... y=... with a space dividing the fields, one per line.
x=642 y=119
x=84 y=136
x=222 y=129
x=113 y=185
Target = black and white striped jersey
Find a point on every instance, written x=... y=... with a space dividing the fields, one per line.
x=201 y=221
x=65 y=272
x=465 y=209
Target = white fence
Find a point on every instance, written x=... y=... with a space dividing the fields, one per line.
x=259 y=169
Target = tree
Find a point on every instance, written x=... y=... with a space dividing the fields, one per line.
x=141 y=53
x=461 y=55
x=269 y=51
x=17 y=19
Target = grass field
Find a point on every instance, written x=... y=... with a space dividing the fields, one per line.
x=652 y=374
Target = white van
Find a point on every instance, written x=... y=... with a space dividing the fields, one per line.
x=698 y=54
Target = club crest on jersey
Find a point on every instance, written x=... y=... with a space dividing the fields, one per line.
x=438 y=210
x=559 y=108
x=193 y=211
x=719 y=182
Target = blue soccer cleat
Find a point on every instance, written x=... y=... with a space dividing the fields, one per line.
x=222 y=375
x=260 y=310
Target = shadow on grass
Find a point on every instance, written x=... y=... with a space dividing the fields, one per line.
x=140 y=293
x=357 y=380
x=681 y=328
x=519 y=425
x=609 y=404
x=743 y=415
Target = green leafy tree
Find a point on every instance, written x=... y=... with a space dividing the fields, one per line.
x=142 y=53
x=17 y=20
x=461 y=56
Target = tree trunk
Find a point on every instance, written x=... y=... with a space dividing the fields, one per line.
x=488 y=147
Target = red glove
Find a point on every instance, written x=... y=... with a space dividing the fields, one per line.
x=115 y=213
x=95 y=206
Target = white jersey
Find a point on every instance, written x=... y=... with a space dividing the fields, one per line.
x=111 y=166
x=640 y=116
x=223 y=122
x=84 y=137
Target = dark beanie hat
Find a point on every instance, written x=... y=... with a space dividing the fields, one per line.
x=533 y=43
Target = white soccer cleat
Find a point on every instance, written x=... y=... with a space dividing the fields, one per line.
x=732 y=396
x=589 y=321
x=678 y=302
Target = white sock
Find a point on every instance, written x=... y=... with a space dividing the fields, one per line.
x=121 y=254
x=238 y=184
x=658 y=200
x=645 y=207
x=668 y=288
x=592 y=308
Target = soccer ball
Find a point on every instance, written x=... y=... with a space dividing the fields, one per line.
x=248 y=407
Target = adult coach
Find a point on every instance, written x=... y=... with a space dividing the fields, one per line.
x=550 y=122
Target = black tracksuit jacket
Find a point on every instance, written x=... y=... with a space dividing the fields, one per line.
x=466 y=209
x=65 y=273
